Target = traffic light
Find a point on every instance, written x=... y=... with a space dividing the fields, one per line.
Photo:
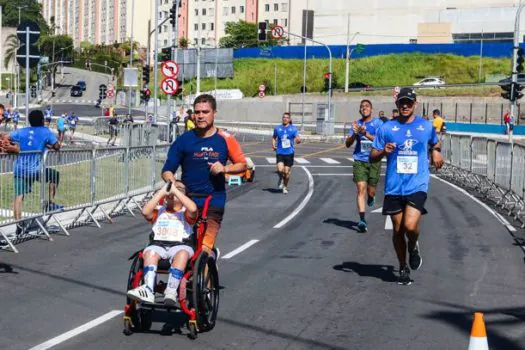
x=326 y=77
x=33 y=91
x=519 y=60
x=507 y=88
x=262 y=31
x=145 y=74
x=516 y=94
x=102 y=91
x=166 y=54
x=173 y=14
x=145 y=94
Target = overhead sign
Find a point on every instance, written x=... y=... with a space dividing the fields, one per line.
x=131 y=77
x=34 y=35
x=169 y=86
x=170 y=69
x=110 y=94
x=277 y=32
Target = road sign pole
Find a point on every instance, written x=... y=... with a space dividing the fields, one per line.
x=27 y=75
x=131 y=51
x=156 y=63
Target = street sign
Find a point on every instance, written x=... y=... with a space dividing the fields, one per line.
x=110 y=86
x=169 y=86
x=110 y=94
x=261 y=94
x=34 y=35
x=262 y=88
x=170 y=69
x=277 y=32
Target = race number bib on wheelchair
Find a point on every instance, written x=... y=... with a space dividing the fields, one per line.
x=366 y=146
x=167 y=229
x=407 y=164
x=285 y=143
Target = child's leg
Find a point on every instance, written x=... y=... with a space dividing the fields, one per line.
x=151 y=260
x=178 y=265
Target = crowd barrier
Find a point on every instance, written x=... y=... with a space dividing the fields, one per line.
x=494 y=169
x=76 y=186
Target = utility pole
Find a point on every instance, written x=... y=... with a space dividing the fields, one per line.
x=347 y=78
x=131 y=50
x=304 y=72
x=156 y=62
x=514 y=63
x=1 y=47
x=198 y=87
x=173 y=55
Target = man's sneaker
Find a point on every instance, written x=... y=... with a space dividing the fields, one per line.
x=415 y=261
x=142 y=293
x=170 y=297
x=285 y=190
x=371 y=201
x=404 y=276
x=362 y=226
x=280 y=184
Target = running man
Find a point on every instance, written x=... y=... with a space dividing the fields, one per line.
x=404 y=141
x=61 y=127
x=72 y=121
x=366 y=174
x=48 y=115
x=285 y=136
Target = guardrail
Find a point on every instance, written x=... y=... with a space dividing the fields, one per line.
x=74 y=186
x=494 y=169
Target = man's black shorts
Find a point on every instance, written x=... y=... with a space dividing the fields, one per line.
x=396 y=204
x=287 y=160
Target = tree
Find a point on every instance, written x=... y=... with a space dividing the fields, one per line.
x=10 y=48
x=183 y=43
x=242 y=34
x=32 y=10
x=57 y=45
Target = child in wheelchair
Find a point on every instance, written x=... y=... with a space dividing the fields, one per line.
x=172 y=239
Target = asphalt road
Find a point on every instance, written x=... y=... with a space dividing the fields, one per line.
x=314 y=283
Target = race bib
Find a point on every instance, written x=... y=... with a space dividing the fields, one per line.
x=285 y=143
x=407 y=164
x=366 y=146
x=170 y=230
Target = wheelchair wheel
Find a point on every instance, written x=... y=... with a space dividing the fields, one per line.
x=205 y=292
x=136 y=266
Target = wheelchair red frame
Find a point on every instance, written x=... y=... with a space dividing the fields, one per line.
x=201 y=306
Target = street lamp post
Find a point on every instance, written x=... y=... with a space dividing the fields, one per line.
x=131 y=51
x=20 y=8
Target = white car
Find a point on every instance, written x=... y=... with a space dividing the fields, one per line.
x=430 y=81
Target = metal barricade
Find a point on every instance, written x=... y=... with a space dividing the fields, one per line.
x=110 y=175
x=518 y=170
x=455 y=150
x=491 y=160
x=503 y=164
x=446 y=148
x=465 y=152
x=141 y=165
x=479 y=156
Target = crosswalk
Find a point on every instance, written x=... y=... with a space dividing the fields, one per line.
x=72 y=101
x=305 y=161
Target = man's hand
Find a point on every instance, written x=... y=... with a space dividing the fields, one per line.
x=355 y=128
x=362 y=130
x=217 y=168
x=274 y=148
x=437 y=159
x=389 y=148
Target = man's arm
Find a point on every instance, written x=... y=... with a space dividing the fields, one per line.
x=297 y=139
x=191 y=208
x=172 y=162
x=274 y=143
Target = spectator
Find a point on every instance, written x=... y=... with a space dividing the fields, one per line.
x=16 y=119
x=129 y=119
x=7 y=117
x=35 y=138
x=189 y=122
x=2 y=109
x=113 y=130
x=382 y=116
x=395 y=113
x=48 y=113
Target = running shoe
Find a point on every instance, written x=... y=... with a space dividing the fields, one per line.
x=170 y=297
x=285 y=190
x=371 y=201
x=415 y=261
x=142 y=293
x=404 y=276
x=280 y=184
x=362 y=226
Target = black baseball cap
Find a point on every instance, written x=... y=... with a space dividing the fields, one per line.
x=407 y=94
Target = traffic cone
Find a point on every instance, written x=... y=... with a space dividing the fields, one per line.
x=478 y=335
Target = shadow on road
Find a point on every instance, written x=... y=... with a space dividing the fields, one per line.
x=349 y=224
x=383 y=272
x=273 y=190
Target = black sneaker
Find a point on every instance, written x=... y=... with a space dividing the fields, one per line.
x=415 y=261
x=404 y=276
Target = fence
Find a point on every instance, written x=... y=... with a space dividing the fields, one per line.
x=494 y=169
x=135 y=134
x=73 y=186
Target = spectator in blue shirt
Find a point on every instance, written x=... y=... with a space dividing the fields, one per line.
x=26 y=171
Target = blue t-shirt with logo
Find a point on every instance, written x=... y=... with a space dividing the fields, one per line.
x=48 y=113
x=363 y=145
x=16 y=117
x=407 y=169
x=194 y=153
x=31 y=139
x=72 y=120
x=61 y=124
x=285 y=139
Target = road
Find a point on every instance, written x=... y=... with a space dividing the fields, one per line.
x=312 y=283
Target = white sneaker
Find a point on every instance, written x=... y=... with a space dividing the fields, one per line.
x=285 y=190
x=170 y=297
x=280 y=184
x=217 y=253
x=142 y=293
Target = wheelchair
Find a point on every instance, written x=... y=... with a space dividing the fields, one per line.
x=198 y=293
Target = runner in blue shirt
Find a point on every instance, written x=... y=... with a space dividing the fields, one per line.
x=16 y=119
x=366 y=174
x=72 y=120
x=285 y=136
x=404 y=141
x=48 y=114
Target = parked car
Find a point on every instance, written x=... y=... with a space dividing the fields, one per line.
x=359 y=85
x=430 y=81
x=82 y=85
x=76 y=91
x=521 y=79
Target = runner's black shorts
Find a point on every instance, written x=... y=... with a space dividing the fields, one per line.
x=287 y=159
x=395 y=204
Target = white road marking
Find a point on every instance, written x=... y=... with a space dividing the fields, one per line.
x=378 y=210
x=271 y=160
x=336 y=174
x=329 y=160
x=74 y=332
x=240 y=249
x=311 y=166
x=303 y=203
x=389 y=225
x=350 y=159
x=500 y=218
x=301 y=161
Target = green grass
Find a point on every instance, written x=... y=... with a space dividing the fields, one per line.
x=75 y=189
x=385 y=70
